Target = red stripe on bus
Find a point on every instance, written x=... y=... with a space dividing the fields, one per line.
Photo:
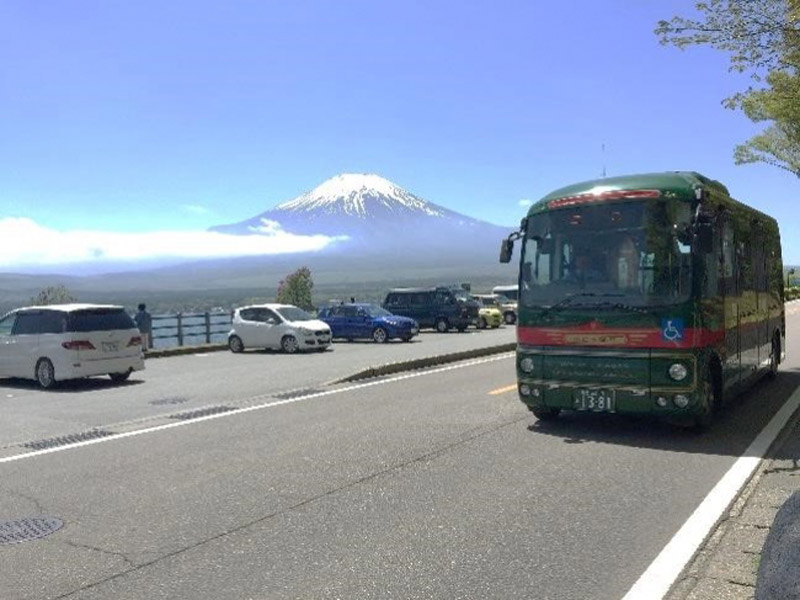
x=594 y=335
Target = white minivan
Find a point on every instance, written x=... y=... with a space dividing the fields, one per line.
x=69 y=341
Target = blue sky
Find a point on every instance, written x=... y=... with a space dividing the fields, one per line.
x=133 y=118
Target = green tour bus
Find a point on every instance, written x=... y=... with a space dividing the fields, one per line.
x=645 y=294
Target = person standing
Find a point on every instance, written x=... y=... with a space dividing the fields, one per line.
x=145 y=324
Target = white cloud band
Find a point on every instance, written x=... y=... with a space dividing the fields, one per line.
x=23 y=242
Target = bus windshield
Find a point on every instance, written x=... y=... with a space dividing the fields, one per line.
x=633 y=253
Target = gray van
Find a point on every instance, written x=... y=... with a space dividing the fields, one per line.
x=439 y=308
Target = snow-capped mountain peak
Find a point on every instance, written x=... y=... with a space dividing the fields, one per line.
x=360 y=195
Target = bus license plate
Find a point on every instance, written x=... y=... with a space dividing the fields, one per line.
x=594 y=400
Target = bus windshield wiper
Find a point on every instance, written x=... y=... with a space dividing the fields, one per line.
x=566 y=302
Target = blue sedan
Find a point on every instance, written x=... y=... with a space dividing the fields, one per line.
x=367 y=321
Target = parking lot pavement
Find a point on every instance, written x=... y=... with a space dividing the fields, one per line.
x=726 y=567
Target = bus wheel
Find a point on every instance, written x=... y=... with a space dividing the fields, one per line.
x=546 y=414
x=703 y=421
x=774 y=357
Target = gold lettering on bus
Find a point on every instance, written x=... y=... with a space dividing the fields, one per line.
x=603 y=339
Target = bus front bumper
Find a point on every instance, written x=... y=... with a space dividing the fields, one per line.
x=584 y=397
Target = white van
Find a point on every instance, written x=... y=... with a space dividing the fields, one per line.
x=69 y=341
x=509 y=291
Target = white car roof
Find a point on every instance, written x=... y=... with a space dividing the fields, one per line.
x=271 y=305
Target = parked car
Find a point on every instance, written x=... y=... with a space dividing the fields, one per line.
x=489 y=312
x=367 y=321
x=69 y=341
x=439 y=307
x=509 y=291
x=507 y=308
x=277 y=327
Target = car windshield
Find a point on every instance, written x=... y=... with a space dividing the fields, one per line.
x=373 y=310
x=292 y=313
x=631 y=252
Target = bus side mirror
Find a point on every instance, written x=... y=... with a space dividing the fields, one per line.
x=506 y=250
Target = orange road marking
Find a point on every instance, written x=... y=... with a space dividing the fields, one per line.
x=503 y=390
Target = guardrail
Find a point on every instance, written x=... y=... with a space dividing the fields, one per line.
x=191 y=328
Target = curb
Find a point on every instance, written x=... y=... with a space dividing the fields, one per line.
x=179 y=350
x=428 y=361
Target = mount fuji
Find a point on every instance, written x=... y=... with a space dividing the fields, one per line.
x=366 y=212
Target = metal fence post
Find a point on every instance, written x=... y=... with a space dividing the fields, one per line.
x=208 y=328
x=180 y=329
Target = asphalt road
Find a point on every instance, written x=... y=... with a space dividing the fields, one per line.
x=181 y=383
x=435 y=484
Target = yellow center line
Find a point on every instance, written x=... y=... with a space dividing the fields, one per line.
x=503 y=390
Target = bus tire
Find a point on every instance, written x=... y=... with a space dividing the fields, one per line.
x=546 y=414
x=712 y=392
x=775 y=356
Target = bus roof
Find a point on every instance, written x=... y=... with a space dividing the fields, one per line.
x=670 y=184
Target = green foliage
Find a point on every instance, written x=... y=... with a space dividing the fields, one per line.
x=792 y=293
x=296 y=289
x=762 y=38
x=53 y=294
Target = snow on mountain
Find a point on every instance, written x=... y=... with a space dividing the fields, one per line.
x=353 y=205
x=360 y=195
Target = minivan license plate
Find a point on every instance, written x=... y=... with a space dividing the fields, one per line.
x=594 y=400
x=110 y=346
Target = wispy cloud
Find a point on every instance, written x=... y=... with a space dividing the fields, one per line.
x=24 y=242
x=195 y=209
x=525 y=202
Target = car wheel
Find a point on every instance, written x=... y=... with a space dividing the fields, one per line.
x=235 y=344
x=119 y=377
x=379 y=335
x=441 y=325
x=45 y=373
x=510 y=318
x=482 y=324
x=289 y=344
x=546 y=414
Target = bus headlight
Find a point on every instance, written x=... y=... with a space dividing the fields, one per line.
x=678 y=372
x=526 y=364
x=525 y=390
x=661 y=401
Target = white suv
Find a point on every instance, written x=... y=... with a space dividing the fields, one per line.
x=278 y=327
x=69 y=341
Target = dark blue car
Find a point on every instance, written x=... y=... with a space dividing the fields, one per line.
x=367 y=321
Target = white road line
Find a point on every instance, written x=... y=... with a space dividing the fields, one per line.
x=238 y=411
x=659 y=577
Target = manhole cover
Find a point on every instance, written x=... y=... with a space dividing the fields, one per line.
x=22 y=530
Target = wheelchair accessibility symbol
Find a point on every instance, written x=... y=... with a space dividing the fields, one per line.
x=672 y=330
